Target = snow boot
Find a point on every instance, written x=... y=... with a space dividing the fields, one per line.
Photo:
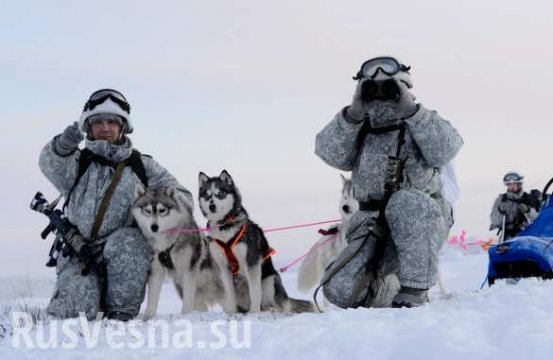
x=119 y=315
x=410 y=297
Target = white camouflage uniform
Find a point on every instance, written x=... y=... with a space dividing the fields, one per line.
x=126 y=252
x=417 y=215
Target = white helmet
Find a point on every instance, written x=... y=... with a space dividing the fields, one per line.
x=385 y=67
x=107 y=101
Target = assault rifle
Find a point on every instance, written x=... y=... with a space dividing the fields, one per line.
x=68 y=241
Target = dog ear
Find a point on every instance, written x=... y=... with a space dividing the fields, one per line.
x=202 y=179
x=139 y=190
x=170 y=191
x=225 y=176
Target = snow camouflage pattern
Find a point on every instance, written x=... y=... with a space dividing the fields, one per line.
x=124 y=249
x=126 y=252
x=417 y=215
x=340 y=284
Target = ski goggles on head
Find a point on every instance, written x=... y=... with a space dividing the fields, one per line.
x=513 y=178
x=105 y=117
x=385 y=64
x=100 y=96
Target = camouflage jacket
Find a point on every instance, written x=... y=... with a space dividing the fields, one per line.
x=87 y=195
x=430 y=143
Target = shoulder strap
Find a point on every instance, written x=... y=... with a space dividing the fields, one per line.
x=137 y=166
x=105 y=201
x=87 y=157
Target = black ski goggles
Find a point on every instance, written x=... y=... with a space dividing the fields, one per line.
x=100 y=96
x=385 y=64
x=512 y=179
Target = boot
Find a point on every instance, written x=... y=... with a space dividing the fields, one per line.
x=410 y=297
x=119 y=315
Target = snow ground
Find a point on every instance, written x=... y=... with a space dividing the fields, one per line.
x=503 y=322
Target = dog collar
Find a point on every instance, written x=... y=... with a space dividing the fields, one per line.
x=227 y=221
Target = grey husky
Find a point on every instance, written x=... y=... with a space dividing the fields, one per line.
x=331 y=243
x=241 y=251
x=184 y=257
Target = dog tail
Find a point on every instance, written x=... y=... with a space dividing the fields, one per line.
x=311 y=271
x=287 y=304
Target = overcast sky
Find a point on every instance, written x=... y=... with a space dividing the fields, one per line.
x=246 y=85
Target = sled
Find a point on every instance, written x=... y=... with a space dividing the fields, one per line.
x=530 y=253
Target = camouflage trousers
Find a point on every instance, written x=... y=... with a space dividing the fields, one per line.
x=127 y=263
x=418 y=226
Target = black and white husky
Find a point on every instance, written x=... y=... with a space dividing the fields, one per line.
x=185 y=257
x=331 y=243
x=242 y=254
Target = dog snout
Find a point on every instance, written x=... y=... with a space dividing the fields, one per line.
x=346 y=209
x=212 y=207
x=154 y=227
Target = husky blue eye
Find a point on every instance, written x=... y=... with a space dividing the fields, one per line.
x=222 y=194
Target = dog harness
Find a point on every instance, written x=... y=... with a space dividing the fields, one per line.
x=227 y=250
x=332 y=231
x=165 y=258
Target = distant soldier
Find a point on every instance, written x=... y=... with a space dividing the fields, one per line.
x=516 y=208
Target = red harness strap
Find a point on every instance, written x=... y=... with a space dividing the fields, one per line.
x=330 y=231
x=270 y=253
x=227 y=249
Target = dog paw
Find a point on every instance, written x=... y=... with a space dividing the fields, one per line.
x=185 y=311
x=145 y=316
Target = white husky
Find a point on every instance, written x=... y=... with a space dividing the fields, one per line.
x=333 y=241
x=184 y=257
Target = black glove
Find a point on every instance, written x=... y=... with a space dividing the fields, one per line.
x=69 y=140
x=91 y=261
x=86 y=255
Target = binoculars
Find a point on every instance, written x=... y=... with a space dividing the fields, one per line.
x=380 y=90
